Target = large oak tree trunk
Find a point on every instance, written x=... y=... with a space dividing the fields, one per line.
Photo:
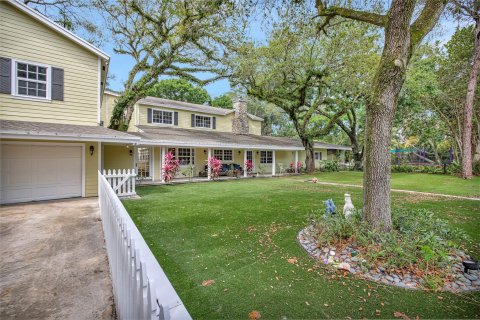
x=310 y=155
x=381 y=106
x=468 y=111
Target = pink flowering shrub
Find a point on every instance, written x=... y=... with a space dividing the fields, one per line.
x=170 y=167
x=299 y=166
x=248 y=167
x=216 y=166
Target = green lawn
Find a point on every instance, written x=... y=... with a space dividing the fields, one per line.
x=436 y=183
x=241 y=233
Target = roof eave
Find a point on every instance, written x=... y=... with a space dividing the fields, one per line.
x=65 y=137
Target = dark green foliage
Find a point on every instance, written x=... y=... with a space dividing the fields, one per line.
x=180 y=90
x=329 y=165
x=223 y=101
x=418 y=238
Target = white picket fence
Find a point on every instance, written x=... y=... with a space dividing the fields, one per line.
x=122 y=181
x=141 y=288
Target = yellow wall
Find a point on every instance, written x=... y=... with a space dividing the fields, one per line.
x=117 y=157
x=26 y=39
x=108 y=102
x=254 y=127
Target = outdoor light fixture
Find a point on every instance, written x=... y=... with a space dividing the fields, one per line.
x=131 y=152
x=204 y=151
x=239 y=152
x=91 y=150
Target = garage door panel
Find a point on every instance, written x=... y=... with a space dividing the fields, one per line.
x=40 y=172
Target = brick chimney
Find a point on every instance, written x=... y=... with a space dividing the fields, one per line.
x=240 y=118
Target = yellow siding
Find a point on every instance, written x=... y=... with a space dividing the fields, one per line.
x=108 y=103
x=26 y=39
x=255 y=127
x=117 y=157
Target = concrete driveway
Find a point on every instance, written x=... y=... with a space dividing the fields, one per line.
x=53 y=265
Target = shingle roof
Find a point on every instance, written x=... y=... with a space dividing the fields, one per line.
x=9 y=128
x=169 y=136
x=180 y=105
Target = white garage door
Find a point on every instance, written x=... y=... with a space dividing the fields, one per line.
x=31 y=172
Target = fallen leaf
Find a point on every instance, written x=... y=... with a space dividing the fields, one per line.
x=377 y=312
x=292 y=261
x=306 y=302
x=440 y=298
x=325 y=304
x=254 y=315
x=207 y=283
x=398 y=314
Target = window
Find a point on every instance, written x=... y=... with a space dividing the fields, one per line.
x=186 y=156
x=160 y=116
x=143 y=163
x=223 y=154
x=31 y=80
x=203 y=121
x=266 y=157
x=318 y=156
x=250 y=156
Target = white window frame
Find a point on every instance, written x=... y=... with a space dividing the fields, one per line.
x=192 y=156
x=319 y=156
x=150 y=162
x=203 y=116
x=161 y=123
x=15 y=79
x=264 y=159
x=223 y=155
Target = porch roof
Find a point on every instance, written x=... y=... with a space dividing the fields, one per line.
x=56 y=131
x=167 y=136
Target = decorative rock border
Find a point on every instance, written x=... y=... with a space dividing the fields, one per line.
x=349 y=260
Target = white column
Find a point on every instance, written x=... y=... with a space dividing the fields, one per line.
x=135 y=155
x=296 y=161
x=273 y=162
x=161 y=163
x=100 y=156
x=244 y=163
x=152 y=162
x=209 y=170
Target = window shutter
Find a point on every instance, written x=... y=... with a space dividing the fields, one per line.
x=214 y=122
x=175 y=118
x=193 y=120
x=149 y=115
x=57 y=84
x=5 y=75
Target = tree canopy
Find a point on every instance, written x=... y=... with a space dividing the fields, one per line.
x=181 y=90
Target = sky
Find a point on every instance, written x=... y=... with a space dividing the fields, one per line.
x=120 y=65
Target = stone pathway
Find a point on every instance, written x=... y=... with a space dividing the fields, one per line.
x=403 y=191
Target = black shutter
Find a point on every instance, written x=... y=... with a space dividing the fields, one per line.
x=5 y=75
x=149 y=115
x=175 y=118
x=193 y=120
x=57 y=84
x=214 y=122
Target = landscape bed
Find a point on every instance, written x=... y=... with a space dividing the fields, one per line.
x=242 y=235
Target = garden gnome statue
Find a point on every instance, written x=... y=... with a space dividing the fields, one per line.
x=348 y=207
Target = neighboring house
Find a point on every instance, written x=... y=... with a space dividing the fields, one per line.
x=194 y=132
x=54 y=113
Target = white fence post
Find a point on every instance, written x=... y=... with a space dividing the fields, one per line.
x=140 y=287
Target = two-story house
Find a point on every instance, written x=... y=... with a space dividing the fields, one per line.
x=51 y=87
x=54 y=110
x=194 y=132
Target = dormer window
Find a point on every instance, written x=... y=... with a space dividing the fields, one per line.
x=162 y=117
x=32 y=80
x=203 y=121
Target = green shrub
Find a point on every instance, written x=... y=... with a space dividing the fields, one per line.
x=453 y=168
x=476 y=167
x=403 y=168
x=417 y=238
x=329 y=166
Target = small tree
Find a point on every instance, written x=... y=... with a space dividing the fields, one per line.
x=216 y=166
x=170 y=167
